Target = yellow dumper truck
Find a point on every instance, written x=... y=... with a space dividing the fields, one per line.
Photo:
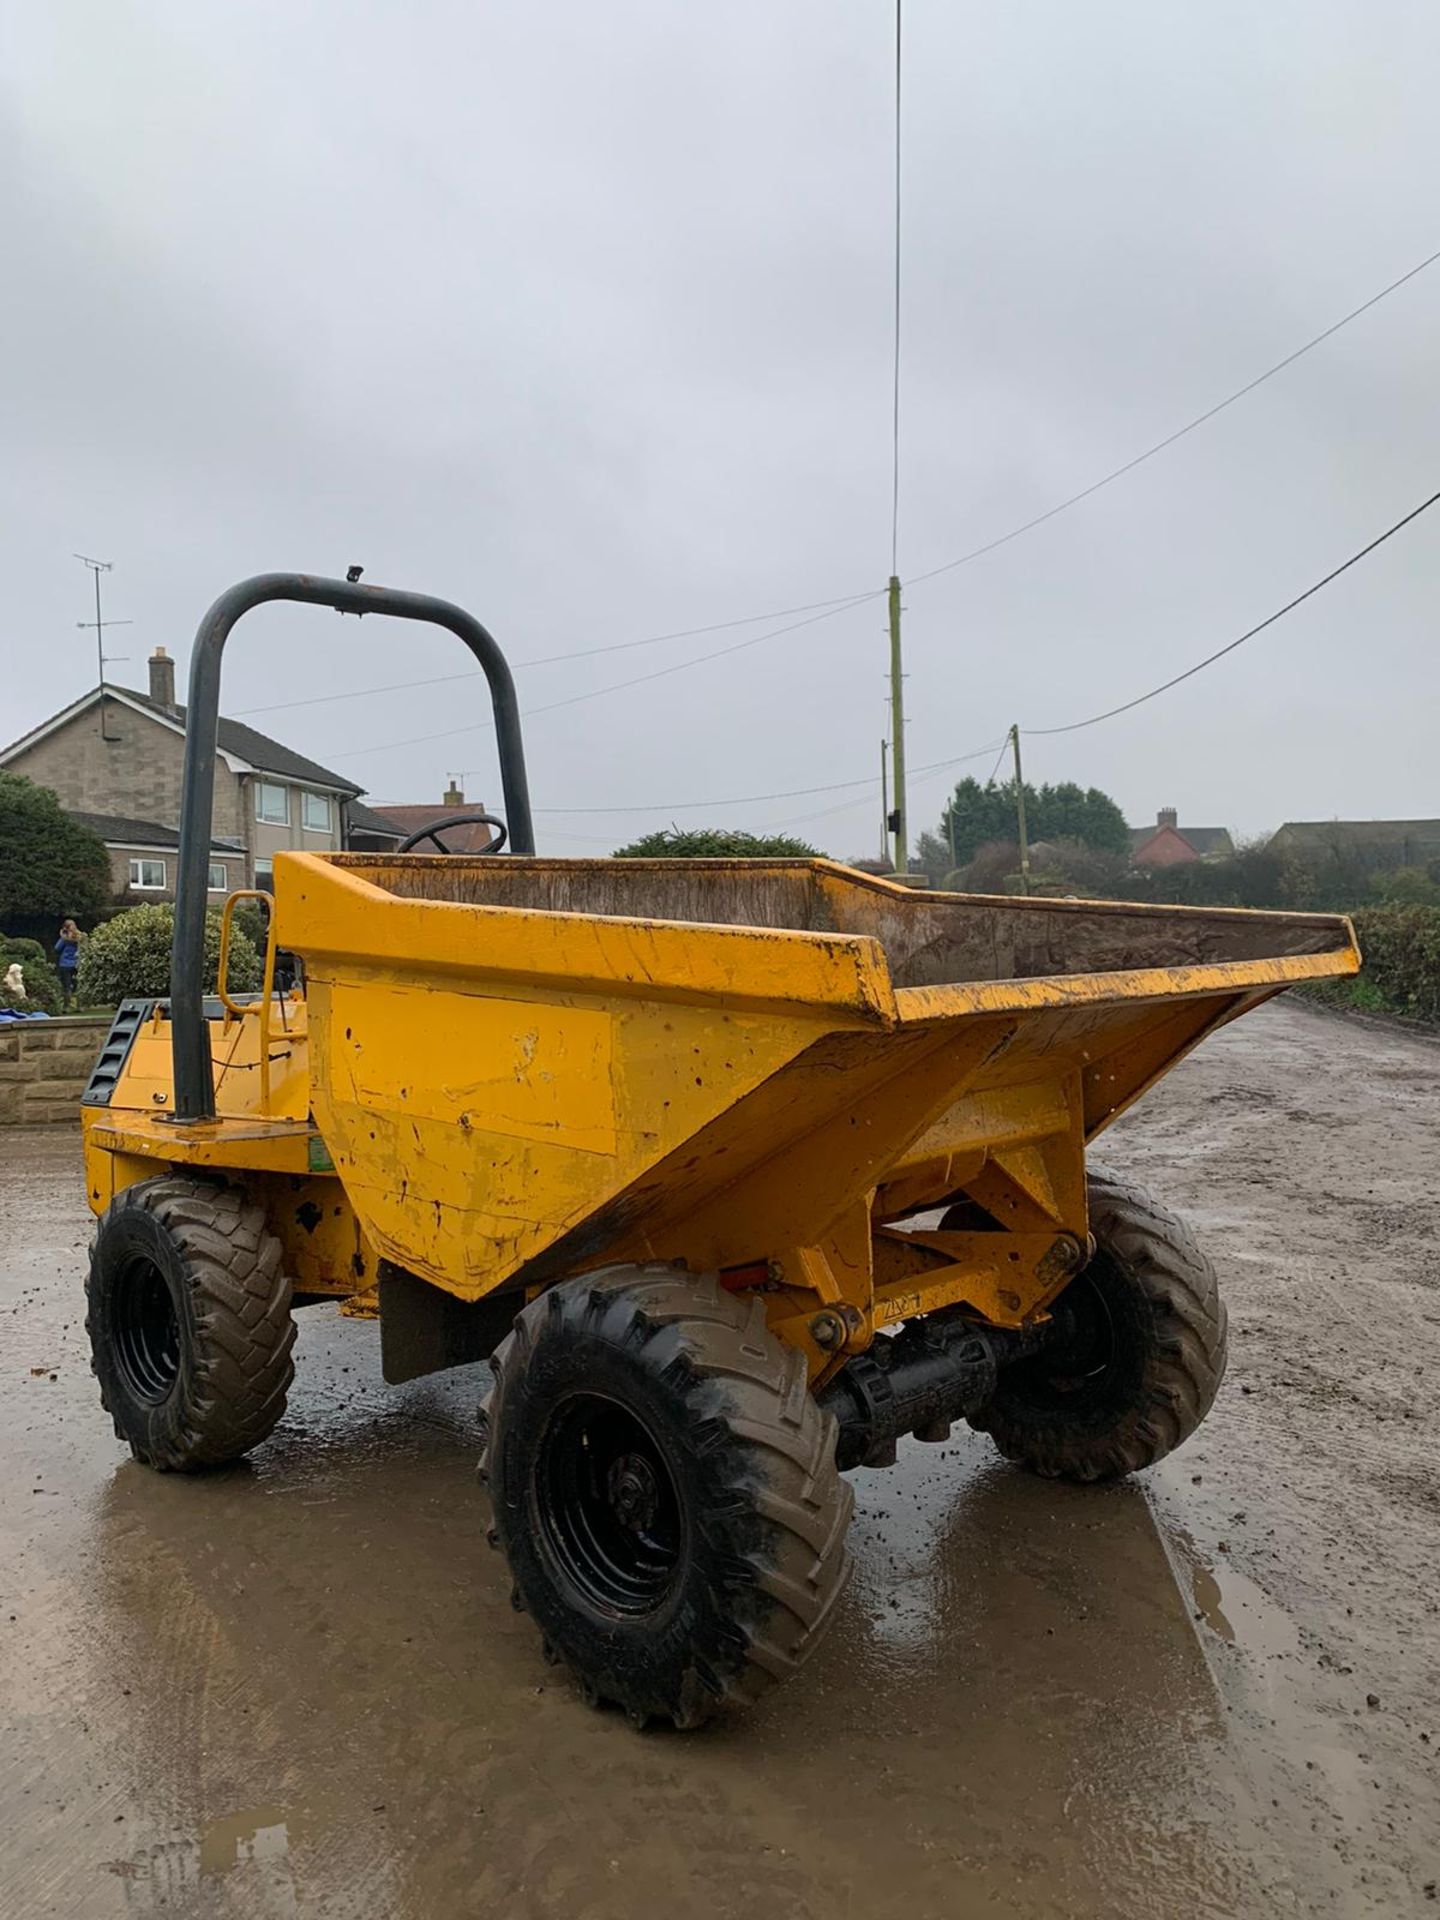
x=735 y=1172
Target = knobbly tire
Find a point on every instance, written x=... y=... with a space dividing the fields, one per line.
x=1140 y=1353
x=665 y=1491
x=189 y=1320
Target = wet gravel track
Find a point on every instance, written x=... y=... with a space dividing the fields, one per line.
x=296 y=1687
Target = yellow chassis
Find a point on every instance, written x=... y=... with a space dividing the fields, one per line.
x=491 y=1091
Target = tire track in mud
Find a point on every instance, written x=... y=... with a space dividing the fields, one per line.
x=1305 y=1516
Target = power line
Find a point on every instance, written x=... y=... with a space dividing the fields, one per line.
x=745 y=799
x=1074 y=499
x=795 y=820
x=896 y=819
x=825 y=813
x=794 y=793
x=581 y=653
x=1129 y=466
x=918 y=774
x=1176 y=680
x=735 y=800
x=1220 y=652
x=895 y=421
x=964 y=559
x=959 y=760
x=980 y=753
x=618 y=686
x=720 y=653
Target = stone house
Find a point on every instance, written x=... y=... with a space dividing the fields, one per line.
x=114 y=758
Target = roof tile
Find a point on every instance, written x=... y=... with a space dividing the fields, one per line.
x=128 y=831
x=248 y=743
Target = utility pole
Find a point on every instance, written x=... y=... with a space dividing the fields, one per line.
x=884 y=800
x=1020 y=812
x=897 y=819
x=99 y=623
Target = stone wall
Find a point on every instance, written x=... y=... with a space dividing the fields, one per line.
x=44 y=1065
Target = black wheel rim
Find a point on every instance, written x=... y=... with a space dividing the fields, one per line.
x=1075 y=1371
x=146 y=1330
x=608 y=1508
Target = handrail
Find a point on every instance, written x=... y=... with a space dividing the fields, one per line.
x=267 y=985
x=193 y=1068
x=241 y=1007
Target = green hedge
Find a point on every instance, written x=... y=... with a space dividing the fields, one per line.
x=1401 y=949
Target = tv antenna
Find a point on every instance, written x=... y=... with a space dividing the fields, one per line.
x=99 y=623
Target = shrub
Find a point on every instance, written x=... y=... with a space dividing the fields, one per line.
x=1252 y=876
x=716 y=843
x=42 y=983
x=129 y=957
x=1408 y=887
x=249 y=919
x=991 y=868
x=1401 y=949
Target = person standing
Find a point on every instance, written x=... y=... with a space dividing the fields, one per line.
x=67 y=958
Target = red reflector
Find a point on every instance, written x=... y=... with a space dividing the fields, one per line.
x=737 y=1279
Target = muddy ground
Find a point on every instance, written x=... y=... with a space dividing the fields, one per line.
x=298 y=1688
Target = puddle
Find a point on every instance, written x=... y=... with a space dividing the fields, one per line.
x=1230 y=1603
x=258 y=1834
x=1208 y=1598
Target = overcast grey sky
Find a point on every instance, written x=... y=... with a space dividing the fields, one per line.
x=580 y=315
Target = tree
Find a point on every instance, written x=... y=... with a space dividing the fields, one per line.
x=129 y=958
x=932 y=858
x=1066 y=812
x=1074 y=866
x=715 y=843
x=992 y=868
x=50 y=866
x=1410 y=887
x=974 y=817
x=977 y=816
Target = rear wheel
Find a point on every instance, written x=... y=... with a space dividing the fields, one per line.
x=1138 y=1352
x=665 y=1491
x=189 y=1321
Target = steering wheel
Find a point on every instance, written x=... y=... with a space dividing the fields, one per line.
x=437 y=827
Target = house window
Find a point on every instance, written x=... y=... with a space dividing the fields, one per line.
x=147 y=876
x=265 y=875
x=272 y=803
x=218 y=882
x=315 y=812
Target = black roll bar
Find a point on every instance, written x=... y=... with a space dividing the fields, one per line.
x=194 y=1080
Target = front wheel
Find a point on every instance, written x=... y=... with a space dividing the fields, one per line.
x=665 y=1491
x=1137 y=1356
x=189 y=1319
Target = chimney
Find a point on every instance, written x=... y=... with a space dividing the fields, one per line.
x=453 y=796
x=162 y=679
x=1168 y=817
